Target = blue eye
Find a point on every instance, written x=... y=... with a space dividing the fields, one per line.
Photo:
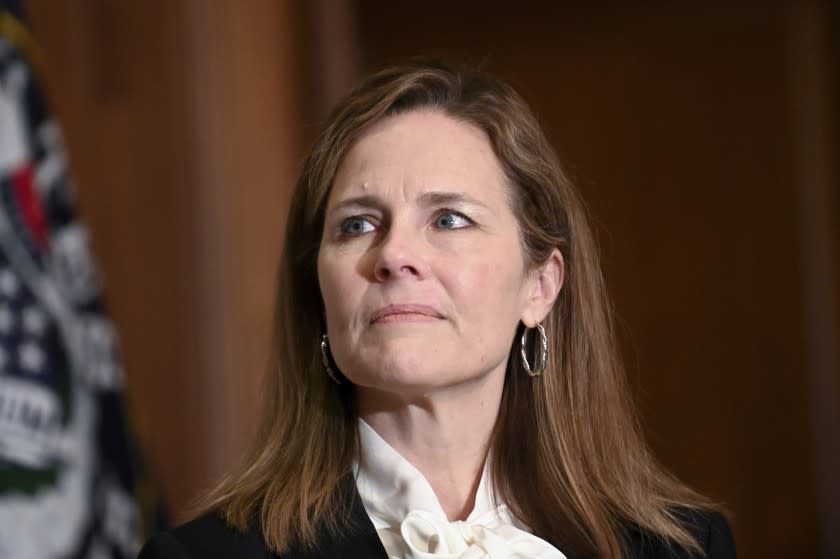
x=356 y=226
x=452 y=220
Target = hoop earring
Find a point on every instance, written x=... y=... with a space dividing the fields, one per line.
x=539 y=365
x=325 y=359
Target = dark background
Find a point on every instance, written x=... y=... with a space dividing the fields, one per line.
x=702 y=135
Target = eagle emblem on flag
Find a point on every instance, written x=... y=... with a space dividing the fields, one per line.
x=66 y=475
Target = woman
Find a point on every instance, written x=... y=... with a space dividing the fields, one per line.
x=445 y=380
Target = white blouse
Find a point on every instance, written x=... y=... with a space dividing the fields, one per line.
x=412 y=524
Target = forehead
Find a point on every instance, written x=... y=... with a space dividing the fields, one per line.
x=418 y=151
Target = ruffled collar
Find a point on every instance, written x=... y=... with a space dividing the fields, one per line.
x=412 y=524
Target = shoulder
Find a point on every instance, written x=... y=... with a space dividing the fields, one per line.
x=710 y=529
x=205 y=537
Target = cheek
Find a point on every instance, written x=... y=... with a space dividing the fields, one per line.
x=488 y=291
x=486 y=297
x=340 y=292
x=330 y=286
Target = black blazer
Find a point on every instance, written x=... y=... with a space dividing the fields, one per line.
x=208 y=537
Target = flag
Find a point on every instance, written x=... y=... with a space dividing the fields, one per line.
x=67 y=476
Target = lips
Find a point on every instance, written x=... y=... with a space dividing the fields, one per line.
x=407 y=313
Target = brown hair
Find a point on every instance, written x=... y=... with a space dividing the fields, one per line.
x=568 y=457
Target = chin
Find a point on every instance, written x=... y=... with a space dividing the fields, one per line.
x=401 y=370
x=402 y=374
x=403 y=364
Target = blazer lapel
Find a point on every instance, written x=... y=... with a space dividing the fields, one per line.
x=360 y=542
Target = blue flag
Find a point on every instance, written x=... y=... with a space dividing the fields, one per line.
x=67 y=479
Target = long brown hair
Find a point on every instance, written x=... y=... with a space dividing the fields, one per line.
x=568 y=458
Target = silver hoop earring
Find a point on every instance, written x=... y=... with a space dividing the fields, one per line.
x=539 y=364
x=325 y=359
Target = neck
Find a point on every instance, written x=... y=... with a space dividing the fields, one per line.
x=445 y=434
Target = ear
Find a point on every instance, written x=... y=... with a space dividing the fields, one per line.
x=544 y=283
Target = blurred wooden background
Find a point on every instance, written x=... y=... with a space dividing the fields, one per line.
x=703 y=135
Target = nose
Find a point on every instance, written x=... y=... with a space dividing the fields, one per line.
x=400 y=255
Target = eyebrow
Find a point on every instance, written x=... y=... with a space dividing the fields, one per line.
x=430 y=198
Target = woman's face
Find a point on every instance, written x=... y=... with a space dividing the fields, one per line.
x=420 y=266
